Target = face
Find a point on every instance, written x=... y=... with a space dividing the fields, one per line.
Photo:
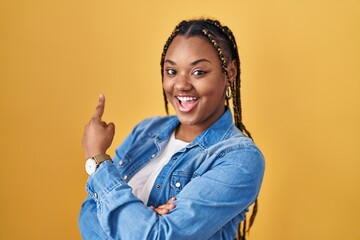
x=194 y=82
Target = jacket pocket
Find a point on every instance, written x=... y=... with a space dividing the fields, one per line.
x=178 y=181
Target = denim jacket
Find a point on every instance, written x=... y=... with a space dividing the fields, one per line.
x=215 y=179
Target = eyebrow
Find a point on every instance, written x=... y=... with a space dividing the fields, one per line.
x=192 y=64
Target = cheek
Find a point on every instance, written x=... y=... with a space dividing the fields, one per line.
x=212 y=88
x=167 y=86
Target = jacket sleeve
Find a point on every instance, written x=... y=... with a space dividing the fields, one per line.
x=89 y=225
x=203 y=206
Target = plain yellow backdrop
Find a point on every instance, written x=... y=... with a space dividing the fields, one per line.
x=300 y=93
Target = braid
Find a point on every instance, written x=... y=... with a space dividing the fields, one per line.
x=237 y=105
x=223 y=40
x=166 y=46
x=243 y=236
x=235 y=89
x=219 y=50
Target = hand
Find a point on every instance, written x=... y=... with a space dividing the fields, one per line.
x=98 y=135
x=164 y=209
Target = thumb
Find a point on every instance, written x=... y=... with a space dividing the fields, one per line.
x=111 y=127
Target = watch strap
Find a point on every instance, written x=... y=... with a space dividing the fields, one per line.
x=101 y=158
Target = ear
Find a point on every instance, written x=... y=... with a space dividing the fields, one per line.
x=232 y=70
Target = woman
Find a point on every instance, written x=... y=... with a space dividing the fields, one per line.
x=189 y=176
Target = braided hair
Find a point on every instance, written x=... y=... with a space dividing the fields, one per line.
x=225 y=45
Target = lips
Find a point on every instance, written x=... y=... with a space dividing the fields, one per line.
x=186 y=104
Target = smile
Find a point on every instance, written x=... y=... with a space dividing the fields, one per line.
x=186 y=104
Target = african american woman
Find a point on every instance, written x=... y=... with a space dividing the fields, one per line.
x=193 y=175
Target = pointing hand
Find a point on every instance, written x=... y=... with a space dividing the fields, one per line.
x=98 y=135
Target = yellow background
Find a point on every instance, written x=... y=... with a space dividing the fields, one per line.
x=300 y=92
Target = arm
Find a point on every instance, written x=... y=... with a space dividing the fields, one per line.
x=203 y=207
x=88 y=222
x=97 y=137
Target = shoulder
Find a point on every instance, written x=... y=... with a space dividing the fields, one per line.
x=238 y=149
x=236 y=140
x=241 y=159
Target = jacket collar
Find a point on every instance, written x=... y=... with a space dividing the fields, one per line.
x=215 y=133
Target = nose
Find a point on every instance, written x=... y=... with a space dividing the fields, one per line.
x=182 y=83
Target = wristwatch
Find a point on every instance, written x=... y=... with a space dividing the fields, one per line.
x=93 y=163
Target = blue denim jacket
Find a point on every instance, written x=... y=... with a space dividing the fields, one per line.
x=215 y=179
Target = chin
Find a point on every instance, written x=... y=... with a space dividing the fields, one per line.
x=187 y=121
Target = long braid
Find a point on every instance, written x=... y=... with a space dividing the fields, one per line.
x=166 y=46
x=184 y=28
x=235 y=89
x=219 y=51
x=231 y=37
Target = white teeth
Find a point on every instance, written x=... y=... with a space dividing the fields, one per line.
x=186 y=98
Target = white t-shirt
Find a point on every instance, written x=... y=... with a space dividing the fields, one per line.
x=143 y=181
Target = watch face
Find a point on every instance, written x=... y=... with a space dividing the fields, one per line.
x=90 y=166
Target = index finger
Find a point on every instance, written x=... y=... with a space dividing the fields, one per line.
x=99 y=111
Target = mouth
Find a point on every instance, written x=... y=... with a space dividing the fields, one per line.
x=186 y=104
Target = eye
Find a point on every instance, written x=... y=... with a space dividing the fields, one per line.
x=170 y=71
x=198 y=72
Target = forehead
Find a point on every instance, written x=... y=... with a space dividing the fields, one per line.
x=191 y=49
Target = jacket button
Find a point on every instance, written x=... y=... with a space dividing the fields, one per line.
x=177 y=184
x=95 y=195
x=154 y=155
x=125 y=177
x=121 y=162
x=158 y=186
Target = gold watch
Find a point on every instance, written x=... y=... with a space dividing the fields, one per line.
x=93 y=163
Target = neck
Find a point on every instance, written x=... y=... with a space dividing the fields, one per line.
x=187 y=133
